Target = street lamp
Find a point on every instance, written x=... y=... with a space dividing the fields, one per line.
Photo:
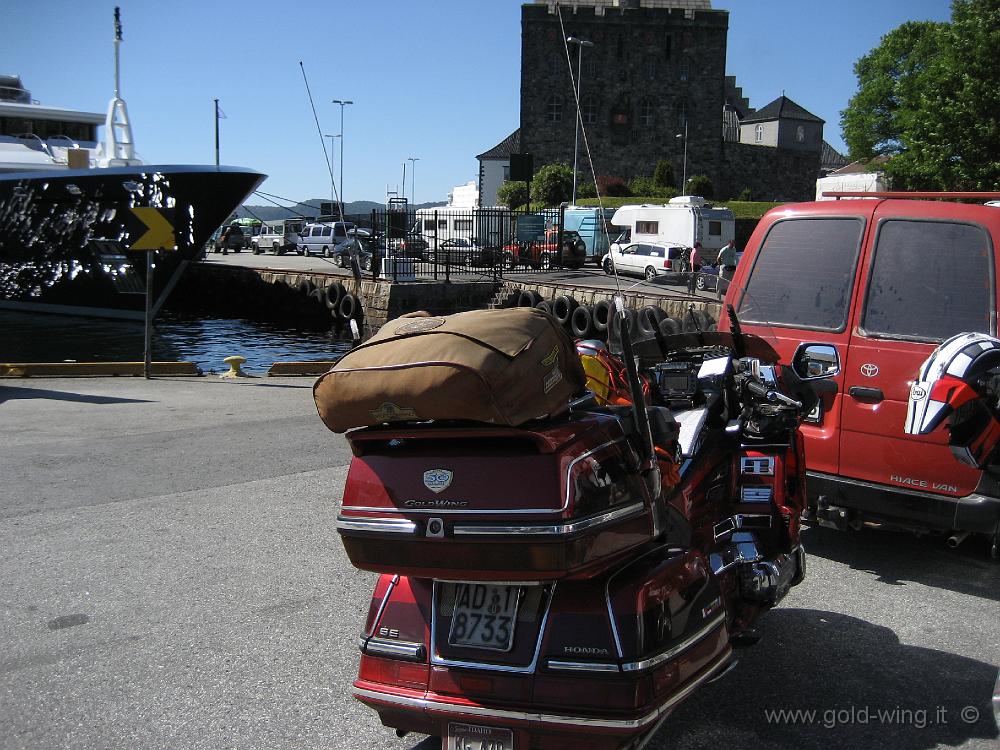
x=684 y=171
x=333 y=190
x=343 y=103
x=580 y=44
x=413 y=178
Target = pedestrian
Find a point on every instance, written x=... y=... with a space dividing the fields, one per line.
x=694 y=266
x=727 y=264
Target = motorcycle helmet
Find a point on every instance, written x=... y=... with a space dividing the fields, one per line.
x=606 y=376
x=955 y=373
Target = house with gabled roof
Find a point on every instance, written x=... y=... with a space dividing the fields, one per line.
x=494 y=167
x=783 y=124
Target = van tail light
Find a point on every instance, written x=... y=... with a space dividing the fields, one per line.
x=666 y=263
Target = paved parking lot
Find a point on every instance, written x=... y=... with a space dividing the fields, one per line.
x=170 y=576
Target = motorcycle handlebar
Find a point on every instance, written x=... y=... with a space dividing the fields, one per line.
x=759 y=389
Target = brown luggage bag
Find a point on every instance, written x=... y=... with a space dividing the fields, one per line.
x=502 y=367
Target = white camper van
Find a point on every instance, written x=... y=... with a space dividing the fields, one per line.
x=486 y=226
x=685 y=220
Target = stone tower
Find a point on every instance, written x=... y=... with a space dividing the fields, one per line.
x=654 y=64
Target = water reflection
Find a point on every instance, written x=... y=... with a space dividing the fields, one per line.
x=28 y=337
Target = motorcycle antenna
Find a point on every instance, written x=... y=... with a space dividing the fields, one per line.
x=739 y=345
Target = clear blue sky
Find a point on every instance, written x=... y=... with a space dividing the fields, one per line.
x=434 y=79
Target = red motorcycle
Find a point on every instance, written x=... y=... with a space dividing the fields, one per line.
x=570 y=580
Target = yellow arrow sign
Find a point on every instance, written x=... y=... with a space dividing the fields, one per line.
x=159 y=234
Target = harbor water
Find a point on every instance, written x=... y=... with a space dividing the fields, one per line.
x=206 y=341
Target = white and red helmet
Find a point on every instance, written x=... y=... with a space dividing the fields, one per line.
x=950 y=377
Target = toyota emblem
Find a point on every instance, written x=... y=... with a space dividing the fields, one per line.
x=869 y=370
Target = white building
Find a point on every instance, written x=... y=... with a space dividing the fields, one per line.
x=494 y=167
x=464 y=196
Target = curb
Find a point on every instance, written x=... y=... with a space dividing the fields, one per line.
x=93 y=369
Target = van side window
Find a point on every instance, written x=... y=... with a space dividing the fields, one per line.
x=803 y=274
x=326 y=231
x=929 y=280
x=715 y=228
x=647 y=227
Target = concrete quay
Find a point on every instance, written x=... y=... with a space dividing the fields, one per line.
x=170 y=577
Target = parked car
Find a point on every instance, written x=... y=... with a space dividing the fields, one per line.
x=320 y=238
x=230 y=238
x=881 y=283
x=341 y=254
x=649 y=260
x=465 y=251
x=545 y=253
x=279 y=236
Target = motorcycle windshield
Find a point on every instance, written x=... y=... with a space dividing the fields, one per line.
x=753 y=345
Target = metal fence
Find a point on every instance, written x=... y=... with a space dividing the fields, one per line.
x=445 y=243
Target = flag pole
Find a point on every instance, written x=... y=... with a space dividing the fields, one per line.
x=216 y=132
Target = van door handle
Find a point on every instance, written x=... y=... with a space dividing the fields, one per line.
x=866 y=394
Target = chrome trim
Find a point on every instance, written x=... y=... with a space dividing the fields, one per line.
x=756 y=494
x=452 y=709
x=670 y=653
x=394 y=649
x=607 y=591
x=385 y=600
x=739 y=521
x=437 y=659
x=582 y=666
x=742 y=548
x=561 y=529
x=379 y=525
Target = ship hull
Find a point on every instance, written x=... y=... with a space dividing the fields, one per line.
x=66 y=238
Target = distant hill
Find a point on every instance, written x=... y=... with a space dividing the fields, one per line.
x=310 y=209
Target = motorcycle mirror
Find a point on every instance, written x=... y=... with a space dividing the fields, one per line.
x=814 y=361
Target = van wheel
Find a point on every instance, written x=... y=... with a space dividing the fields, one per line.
x=508 y=261
x=699 y=284
x=609 y=267
x=275 y=249
x=338 y=260
x=546 y=262
x=326 y=252
x=650 y=273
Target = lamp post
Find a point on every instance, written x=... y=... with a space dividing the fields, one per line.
x=333 y=190
x=343 y=103
x=580 y=44
x=684 y=171
x=413 y=178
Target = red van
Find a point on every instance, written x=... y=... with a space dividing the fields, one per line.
x=880 y=281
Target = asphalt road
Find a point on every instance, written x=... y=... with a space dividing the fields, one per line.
x=170 y=577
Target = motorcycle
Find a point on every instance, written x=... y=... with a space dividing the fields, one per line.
x=570 y=580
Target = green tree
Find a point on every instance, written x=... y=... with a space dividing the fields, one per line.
x=663 y=175
x=927 y=99
x=643 y=186
x=699 y=184
x=513 y=194
x=552 y=185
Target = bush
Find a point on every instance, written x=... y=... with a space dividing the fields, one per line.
x=585 y=189
x=552 y=185
x=699 y=184
x=745 y=195
x=513 y=194
x=663 y=175
x=644 y=186
x=612 y=185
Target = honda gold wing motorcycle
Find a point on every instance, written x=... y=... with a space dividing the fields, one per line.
x=571 y=538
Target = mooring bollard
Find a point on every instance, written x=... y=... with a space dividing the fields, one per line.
x=234 y=363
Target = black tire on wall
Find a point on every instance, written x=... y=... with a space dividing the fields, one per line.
x=333 y=294
x=697 y=320
x=671 y=327
x=510 y=299
x=563 y=308
x=528 y=298
x=648 y=320
x=582 y=322
x=306 y=287
x=631 y=319
x=601 y=316
x=544 y=305
x=349 y=307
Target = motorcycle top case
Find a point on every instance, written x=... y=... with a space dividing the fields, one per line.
x=502 y=367
x=554 y=499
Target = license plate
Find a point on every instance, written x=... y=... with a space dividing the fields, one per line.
x=484 y=616
x=473 y=737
